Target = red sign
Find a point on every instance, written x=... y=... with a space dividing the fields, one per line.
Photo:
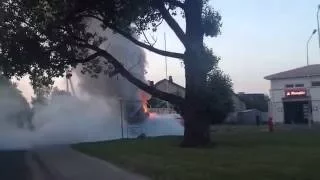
x=295 y=92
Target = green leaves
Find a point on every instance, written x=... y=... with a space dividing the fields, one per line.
x=44 y=38
x=211 y=21
x=219 y=95
x=40 y=37
x=28 y=43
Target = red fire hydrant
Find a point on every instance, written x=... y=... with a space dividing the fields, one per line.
x=270 y=124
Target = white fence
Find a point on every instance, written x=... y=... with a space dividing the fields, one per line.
x=163 y=110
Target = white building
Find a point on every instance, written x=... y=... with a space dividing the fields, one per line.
x=295 y=95
x=170 y=87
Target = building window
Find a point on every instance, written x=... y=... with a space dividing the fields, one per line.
x=289 y=85
x=299 y=85
x=315 y=83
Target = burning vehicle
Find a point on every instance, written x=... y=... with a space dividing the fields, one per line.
x=135 y=113
x=108 y=84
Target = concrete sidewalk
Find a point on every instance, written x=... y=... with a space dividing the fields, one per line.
x=64 y=163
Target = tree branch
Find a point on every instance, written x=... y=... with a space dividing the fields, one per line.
x=175 y=3
x=135 y=41
x=171 y=21
x=146 y=38
x=89 y=58
x=143 y=45
x=176 y=100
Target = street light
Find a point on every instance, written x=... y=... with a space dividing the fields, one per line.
x=318 y=24
x=313 y=32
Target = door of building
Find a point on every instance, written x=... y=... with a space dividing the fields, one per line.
x=296 y=112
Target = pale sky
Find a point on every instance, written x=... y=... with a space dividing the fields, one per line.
x=258 y=38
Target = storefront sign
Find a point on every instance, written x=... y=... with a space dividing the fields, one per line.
x=295 y=92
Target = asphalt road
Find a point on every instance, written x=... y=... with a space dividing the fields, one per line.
x=13 y=166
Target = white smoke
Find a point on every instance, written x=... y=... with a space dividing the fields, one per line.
x=131 y=57
x=68 y=119
x=94 y=114
x=11 y=107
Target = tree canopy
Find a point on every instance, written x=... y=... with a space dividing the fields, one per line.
x=43 y=38
x=219 y=96
x=42 y=94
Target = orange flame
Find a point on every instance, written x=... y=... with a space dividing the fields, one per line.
x=145 y=107
x=144 y=99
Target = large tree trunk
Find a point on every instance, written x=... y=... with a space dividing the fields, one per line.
x=194 y=111
x=197 y=128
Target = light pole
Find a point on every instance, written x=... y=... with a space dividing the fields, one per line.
x=166 y=63
x=318 y=24
x=313 y=32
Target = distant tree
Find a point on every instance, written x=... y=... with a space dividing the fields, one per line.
x=44 y=37
x=59 y=92
x=219 y=93
x=219 y=96
x=255 y=101
x=8 y=89
x=42 y=93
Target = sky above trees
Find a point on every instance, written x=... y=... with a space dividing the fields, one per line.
x=258 y=38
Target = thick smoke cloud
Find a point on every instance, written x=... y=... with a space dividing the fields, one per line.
x=93 y=114
x=13 y=112
x=132 y=57
x=13 y=106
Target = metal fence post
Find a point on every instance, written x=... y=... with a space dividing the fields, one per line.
x=121 y=118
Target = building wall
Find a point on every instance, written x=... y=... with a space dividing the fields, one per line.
x=173 y=89
x=238 y=105
x=255 y=101
x=280 y=84
x=277 y=93
x=277 y=112
x=315 y=96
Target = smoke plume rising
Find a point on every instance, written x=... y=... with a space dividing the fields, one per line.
x=94 y=113
x=132 y=58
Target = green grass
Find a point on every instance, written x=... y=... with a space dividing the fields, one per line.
x=235 y=156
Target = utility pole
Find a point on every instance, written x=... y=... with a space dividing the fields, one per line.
x=166 y=67
x=165 y=57
x=121 y=117
x=318 y=24
x=307 y=45
x=68 y=81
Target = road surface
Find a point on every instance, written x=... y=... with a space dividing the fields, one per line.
x=13 y=166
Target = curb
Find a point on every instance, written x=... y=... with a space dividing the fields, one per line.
x=112 y=166
x=53 y=173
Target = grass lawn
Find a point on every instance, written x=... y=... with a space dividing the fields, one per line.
x=235 y=156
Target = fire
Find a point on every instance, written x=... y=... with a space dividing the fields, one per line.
x=145 y=107
x=152 y=115
x=144 y=99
